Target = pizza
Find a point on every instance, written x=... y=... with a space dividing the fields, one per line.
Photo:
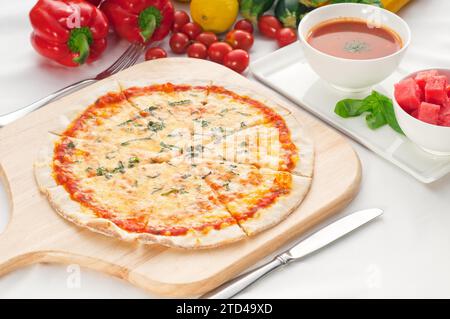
x=183 y=165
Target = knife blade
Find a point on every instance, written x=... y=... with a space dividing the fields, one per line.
x=313 y=243
x=332 y=232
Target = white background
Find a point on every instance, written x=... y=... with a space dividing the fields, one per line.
x=406 y=253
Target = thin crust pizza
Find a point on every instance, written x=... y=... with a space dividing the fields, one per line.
x=182 y=165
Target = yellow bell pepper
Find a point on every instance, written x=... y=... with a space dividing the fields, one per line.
x=391 y=5
x=394 y=5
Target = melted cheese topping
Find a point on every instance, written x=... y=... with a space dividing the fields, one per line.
x=169 y=159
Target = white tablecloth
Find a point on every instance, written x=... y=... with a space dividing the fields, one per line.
x=404 y=254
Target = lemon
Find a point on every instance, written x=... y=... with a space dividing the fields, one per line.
x=214 y=15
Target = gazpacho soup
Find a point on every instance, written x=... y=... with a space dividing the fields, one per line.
x=352 y=38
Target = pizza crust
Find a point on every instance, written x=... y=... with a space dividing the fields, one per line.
x=126 y=84
x=43 y=172
x=280 y=210
x=73 y=110
x=305 y=145
x=74 y=212
x=196 y=239
x=67 y=207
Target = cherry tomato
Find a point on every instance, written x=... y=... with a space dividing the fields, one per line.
x=179 y=42
x=239 y=39
x=207 y=38
x=237 y=60
x=285 y=36
x=180 y=19
x=155 y=53
x=218 y=50
x=191 y=29
x=269 y=25
x=197 y=50
x=244 y=25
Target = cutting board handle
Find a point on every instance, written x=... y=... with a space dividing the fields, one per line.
x=13 y=257
x=13 y=241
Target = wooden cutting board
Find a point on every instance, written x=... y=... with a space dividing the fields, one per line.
x=36 y=233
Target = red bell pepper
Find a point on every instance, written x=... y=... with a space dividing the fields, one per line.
x=140 y=20
x=69 y=32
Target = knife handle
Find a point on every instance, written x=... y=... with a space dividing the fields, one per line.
x=238 y=284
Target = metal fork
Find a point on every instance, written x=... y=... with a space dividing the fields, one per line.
x=127 y=59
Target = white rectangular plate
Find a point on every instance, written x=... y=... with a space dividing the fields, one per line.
x=287 y=71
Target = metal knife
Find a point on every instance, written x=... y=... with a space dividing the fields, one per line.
x=316 y=241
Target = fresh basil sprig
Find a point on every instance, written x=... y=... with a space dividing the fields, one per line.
x=379 y=108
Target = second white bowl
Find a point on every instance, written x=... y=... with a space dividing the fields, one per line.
x=432 y=138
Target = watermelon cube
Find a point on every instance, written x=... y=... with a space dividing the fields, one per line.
x=444 y=115
x=448 y=90
x=429 y=113
x=436 y=90
x=422 y=77
x=407 y=93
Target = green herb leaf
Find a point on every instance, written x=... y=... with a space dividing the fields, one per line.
x=388 y=111
x=203 y=123
x=376 y=119
x=349 y=108
x=181 y=102
x=155 y=190
x=101 y=171
x=119 y=169
x=379 y=107
x=175 y=191
x=132 y=161
x=156 y=126
x=126 y=143
x=125 y=123
x=165 y=146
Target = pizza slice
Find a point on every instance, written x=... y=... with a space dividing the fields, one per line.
x=179 y=101
x=156 y=203
x=113 y=120
x=227 y=112
x=280 y=145
x=257 y=198
x=80 y=159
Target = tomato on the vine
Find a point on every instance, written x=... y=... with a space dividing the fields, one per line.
x=218 y=50
x=197 y=50
x=286 y=36
x=155 y=53
x=239 y=39
x=179 y=42
x=180 y=19
x=191 y=29
x=237 y=60
x=244 y=25
x=207 y=38
x=268 y=25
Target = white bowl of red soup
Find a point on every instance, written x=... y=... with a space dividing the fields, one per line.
x=353 y=46
x=422 y=108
